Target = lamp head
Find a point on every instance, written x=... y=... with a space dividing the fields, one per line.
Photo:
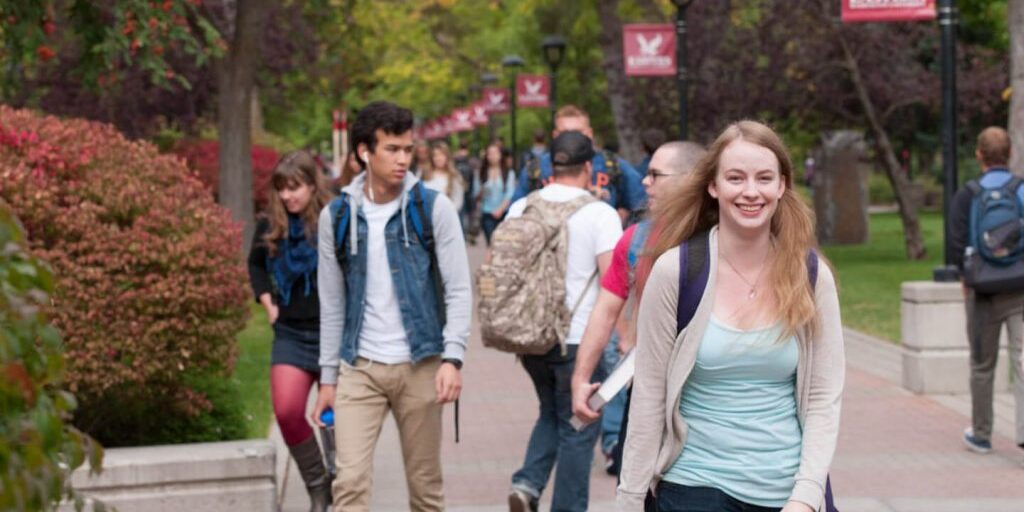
x=554 y=50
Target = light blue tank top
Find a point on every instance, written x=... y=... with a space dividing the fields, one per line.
x=740 y=405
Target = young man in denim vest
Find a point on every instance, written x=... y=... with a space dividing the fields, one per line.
x=394 y=319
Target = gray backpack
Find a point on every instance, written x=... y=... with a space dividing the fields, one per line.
x=521 y=289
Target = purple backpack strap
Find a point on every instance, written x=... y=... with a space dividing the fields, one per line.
x=694 y=262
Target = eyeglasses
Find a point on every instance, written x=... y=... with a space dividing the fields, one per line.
x=654 y=174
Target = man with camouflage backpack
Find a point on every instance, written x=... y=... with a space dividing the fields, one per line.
x=613 y=180
x=536 y=294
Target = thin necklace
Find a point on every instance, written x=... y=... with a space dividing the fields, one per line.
x=753 y=286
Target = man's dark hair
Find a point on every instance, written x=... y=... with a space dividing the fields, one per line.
x=539 y=136
x=652 y=139
x=379 y=115
x=565 y=171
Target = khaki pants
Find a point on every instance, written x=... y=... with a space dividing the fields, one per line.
x=365 y=393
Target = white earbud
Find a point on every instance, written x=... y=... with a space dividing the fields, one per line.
x=365 y=156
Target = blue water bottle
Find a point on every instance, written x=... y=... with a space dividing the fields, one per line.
x=327 y=437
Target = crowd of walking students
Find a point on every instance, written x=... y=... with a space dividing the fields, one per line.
x=715 y=285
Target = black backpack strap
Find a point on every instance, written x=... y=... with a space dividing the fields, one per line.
x=694 y=258
x=974 y=187
x=812 y=268
x=533 y=172
x=427 y=225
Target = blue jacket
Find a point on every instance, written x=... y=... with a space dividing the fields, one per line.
x=628 y=194
x=343 y=287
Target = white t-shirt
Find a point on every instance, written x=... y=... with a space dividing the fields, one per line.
x=593 y=230
x=382 y=337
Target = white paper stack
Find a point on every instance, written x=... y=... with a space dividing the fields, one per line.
x=620 y=377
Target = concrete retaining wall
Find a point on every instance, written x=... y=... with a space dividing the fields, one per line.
x=936 y=357
x=202 y=477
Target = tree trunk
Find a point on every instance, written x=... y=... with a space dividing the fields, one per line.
x=1016 y=122
x=901 y=185
x=236 y=73
x=618 y=85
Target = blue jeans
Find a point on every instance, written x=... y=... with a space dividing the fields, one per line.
x=553 y=438
x=611 y=418
x=682 y=498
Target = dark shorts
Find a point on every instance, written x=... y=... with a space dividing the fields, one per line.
x=683 y=498
x=295 y=347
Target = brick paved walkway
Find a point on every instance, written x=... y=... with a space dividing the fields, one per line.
x=897 y=452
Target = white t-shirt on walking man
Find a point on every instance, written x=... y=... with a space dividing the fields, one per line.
x=593 y=230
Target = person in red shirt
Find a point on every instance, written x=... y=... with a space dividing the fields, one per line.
x=668 y=164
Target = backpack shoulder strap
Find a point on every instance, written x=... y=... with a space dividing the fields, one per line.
x=533 y=173
x=341 y=216
x=974 y=187
x=694 y=257
x=423 y=224
x=812 y=268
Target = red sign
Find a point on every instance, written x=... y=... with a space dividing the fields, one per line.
x=462 y=120
x=650 y=50
x=479 y=110
x=888 y=10
x=496 y=99
x=533 y=91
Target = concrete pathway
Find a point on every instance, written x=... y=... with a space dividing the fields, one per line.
x=897 y=452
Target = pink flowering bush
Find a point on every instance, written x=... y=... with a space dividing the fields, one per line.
x=149 y=288
x=201 y=156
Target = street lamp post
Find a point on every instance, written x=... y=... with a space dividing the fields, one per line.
x=947 y=25
x=554 y=52
x=513 y=63
x=488 y=79
x=681 y=6
x=474 y=92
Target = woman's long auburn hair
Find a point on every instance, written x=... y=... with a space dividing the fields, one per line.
x=297 y=167
x=687 y=208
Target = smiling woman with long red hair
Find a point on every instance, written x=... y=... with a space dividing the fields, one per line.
x=738 y=410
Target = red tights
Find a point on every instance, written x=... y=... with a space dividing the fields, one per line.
x=289 y=390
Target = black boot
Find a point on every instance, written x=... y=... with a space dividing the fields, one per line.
x=314 y=474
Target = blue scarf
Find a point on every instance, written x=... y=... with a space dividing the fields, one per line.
x=296 y=258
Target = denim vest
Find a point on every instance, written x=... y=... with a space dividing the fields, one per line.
x=411 y=276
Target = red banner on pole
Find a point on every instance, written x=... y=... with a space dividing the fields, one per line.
x=462 y=119
x=650 y=50
x=496 y=99
x=855 y=11
x=533 y=91
x=479 y=113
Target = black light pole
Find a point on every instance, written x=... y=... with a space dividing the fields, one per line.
x=513 y=62
x=554 y=52
x=681 y=6
x=488 y=79
x=947 y=25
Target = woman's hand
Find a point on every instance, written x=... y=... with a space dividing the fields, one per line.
x=797 y=506
x=270 y=307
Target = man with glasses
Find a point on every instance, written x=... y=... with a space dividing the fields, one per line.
x=669 y=163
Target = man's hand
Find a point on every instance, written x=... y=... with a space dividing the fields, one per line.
x=581 y=392
x=448 y=383
x=324 y=401
x=796 y=506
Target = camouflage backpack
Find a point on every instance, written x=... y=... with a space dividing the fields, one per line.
x=522 y=288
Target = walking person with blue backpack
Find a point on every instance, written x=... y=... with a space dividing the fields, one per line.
x=283 y=274
x=987 y=232
x=739 y=352
x=395 y=312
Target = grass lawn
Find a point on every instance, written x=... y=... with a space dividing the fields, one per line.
x=870 y=275
x=252 y=372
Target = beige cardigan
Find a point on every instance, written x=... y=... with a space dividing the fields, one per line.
x=657 y=433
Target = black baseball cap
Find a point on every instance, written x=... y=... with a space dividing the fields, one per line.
x=571 y=148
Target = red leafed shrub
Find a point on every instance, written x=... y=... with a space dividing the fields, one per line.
x=149 y=282
x=201 y=155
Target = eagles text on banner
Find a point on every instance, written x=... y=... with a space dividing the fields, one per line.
x=497 y=100
x=533 y=91
x=888 y=10
x=649 y=50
